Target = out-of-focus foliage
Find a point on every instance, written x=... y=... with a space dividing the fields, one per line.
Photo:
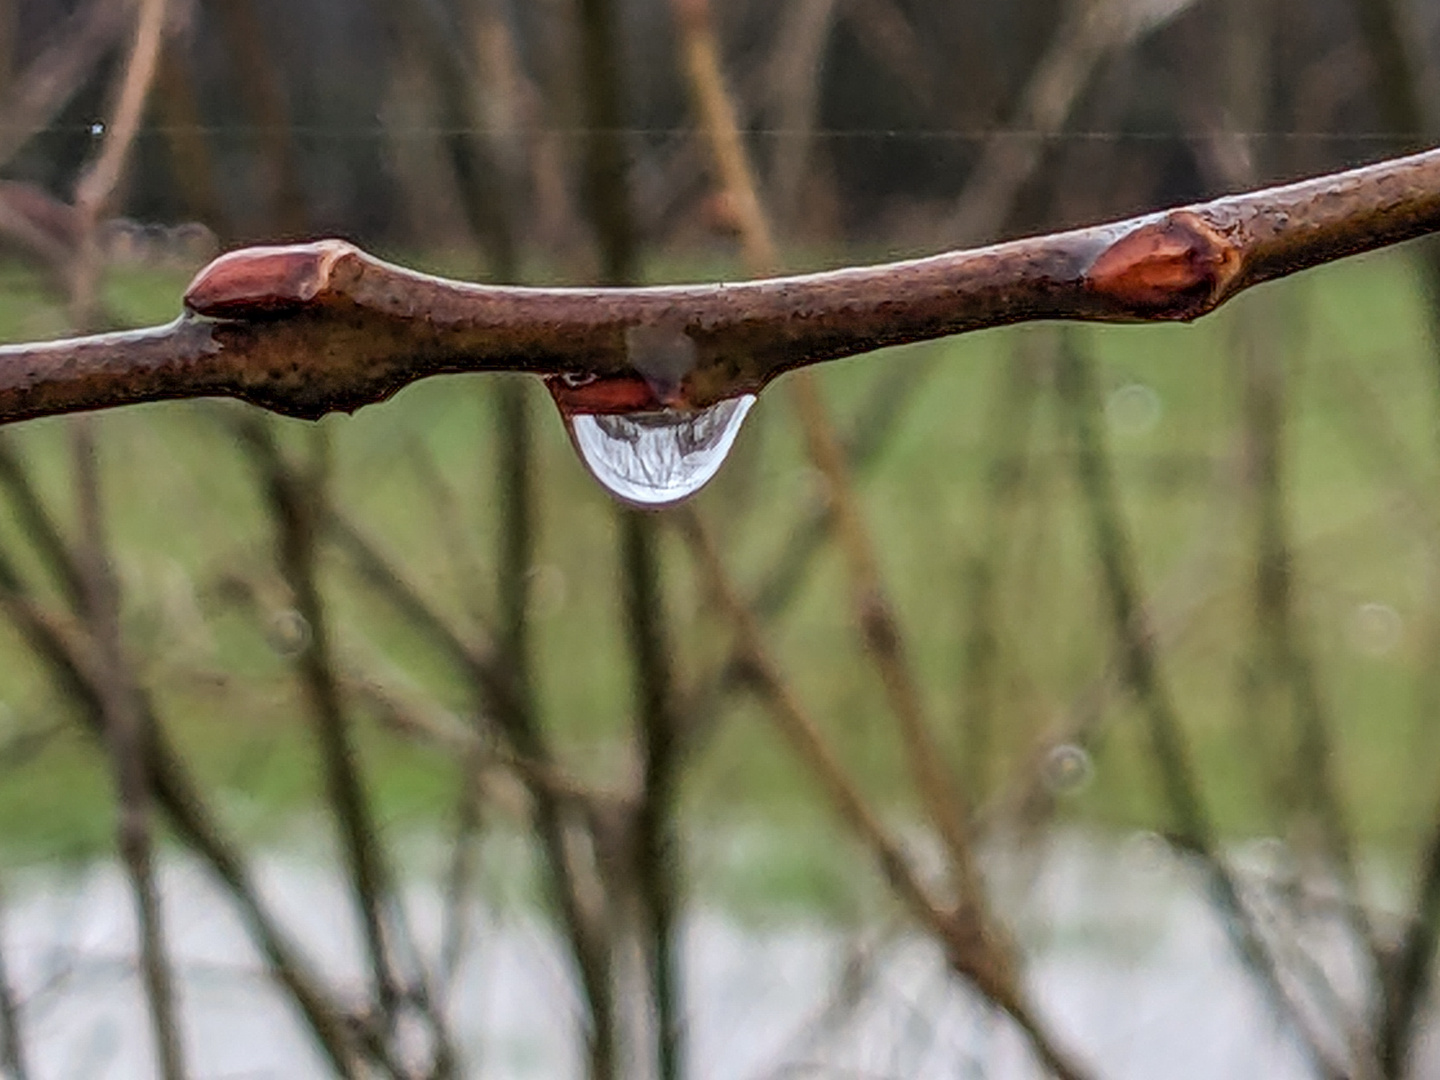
x=908 y=92
x=495 y=688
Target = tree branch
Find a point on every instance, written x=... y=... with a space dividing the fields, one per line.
x=311 y=328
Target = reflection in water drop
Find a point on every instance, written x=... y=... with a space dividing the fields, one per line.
x=658 y=458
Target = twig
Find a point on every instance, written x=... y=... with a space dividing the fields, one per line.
x=517 y=531
x=1282 y=645
x=37 y=523
x=653 y=850
x=1140 y=665
x=13 y=1061
x=1170 y=612
x=885 y=31
x=297 y=510
x=1411 y=971
x=872 y=427
x=700 y=53
x=878 y=624
x=606 y=191
x=871 y=430
x=1087 y=32
x=100 y=593
x=454 y=920
x=657 y=854
x=97 y=185
x=192 y=159
x=1282 y=652
x=479 y=179
x=312 y=328
x=1008 y=438
x=70 y=659
x=496 y=693
x=453 y=531
x=796 y=66
x=257 y=84
x=880 y=630
x=124 y=740
x=78 y=673
x=969 y=950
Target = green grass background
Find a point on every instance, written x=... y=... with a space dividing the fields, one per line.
x=1361 y=441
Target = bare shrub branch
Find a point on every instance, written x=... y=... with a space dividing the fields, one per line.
x=482 y=665
x=296 y=505
x=66 y=652
x=970 y=949
x=124 y=741
x=13 y=1061
x=97 y=185
x=312 y=328
x=1194 y=830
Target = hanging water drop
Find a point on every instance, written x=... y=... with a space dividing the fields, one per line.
x=660 y=457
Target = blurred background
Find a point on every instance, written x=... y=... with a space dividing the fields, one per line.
x=1048 y=701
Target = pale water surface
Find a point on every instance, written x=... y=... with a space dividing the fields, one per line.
x=1130 y=969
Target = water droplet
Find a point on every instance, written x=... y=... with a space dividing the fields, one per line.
x=1133 y=409
x=1067 y=769
x=288 y=633
x=1376 y=629
x=97 y=129
x=661 y=457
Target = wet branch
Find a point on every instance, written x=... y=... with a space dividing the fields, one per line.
x=312 y=328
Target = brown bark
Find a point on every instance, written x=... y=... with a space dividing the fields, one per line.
x=311 y=328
